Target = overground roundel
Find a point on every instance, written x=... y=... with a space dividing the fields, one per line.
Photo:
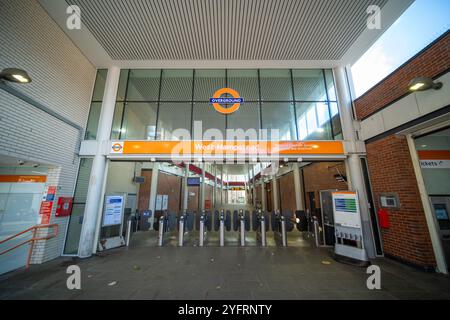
x=217 y=99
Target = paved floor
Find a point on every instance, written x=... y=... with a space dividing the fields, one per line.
x=145 y=271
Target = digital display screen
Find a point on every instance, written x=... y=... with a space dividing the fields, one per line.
x=441 y=212
x=193 y=181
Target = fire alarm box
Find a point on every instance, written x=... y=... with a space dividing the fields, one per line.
x=383 y=218
x=64 y=207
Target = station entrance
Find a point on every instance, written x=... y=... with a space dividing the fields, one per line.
x=215 y=204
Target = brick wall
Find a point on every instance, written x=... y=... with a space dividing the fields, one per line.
x=320 y=176
x=430 y=63
x=287 y=192
x=170 y=185
x=391 y=170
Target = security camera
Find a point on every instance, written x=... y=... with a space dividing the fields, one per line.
x=36 y=165
x=20 y=162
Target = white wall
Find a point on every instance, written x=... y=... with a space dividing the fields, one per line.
x=407 y=109
x=62 y=81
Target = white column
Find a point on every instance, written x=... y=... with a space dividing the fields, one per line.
x=185 y=187
x=433 y=227
x=202 y=188
x=92 y=210
x=353 y=160
x=154 y=188
x=298 y=186
x=275 y=193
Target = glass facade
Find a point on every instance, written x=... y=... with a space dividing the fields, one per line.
x=153 y=103
x=96 y=105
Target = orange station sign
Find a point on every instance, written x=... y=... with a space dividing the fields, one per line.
x=186 y=148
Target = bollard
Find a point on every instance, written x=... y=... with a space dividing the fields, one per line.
x=202 y=231
x=127 y=242
x=263 y=231
x=222 y=229
x=283 y=231
x=181 y=231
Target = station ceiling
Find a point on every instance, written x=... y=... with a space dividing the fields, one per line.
x=227 y=30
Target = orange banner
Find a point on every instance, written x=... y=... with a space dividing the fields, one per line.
x=434 y=154
x=18 y=178
x=228 y=147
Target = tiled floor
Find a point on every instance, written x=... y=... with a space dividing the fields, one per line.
x=145 y=271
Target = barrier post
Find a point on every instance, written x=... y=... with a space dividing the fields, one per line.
x=242 y=231
x=283 y=231
x=202 y=231
x=161 y=231
x=316 y=232
x=181 y=231
x=263 y=231
x=127 y=241
x=222 y=229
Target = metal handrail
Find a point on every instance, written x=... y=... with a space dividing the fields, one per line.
x=32 y=240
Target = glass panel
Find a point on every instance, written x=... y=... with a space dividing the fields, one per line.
x=336 y=121
x=176 y=85
x=121 y=91
x=99 y=87
x=314 y=121
x=245 y=82
x=211 y=119
x=279 y=116
x=173 y=116
x=309 y=85
x=117 y=121
x=207 y=82
x=139 y=122
x=143 y=85
x=76 y=217
x=330 y=85
x=94 y=118
x=247 y=117
x=276 y=85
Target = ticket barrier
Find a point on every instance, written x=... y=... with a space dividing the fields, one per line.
x=241 y=223
x=279 y=228
x=222 y=223
x=260 y=224
x=204 y=226
x=167 y=223
x=185 y=226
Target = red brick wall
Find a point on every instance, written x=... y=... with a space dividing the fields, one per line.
x=434 y=61
x=287 y=192
x=391 y=170
x=320 y=176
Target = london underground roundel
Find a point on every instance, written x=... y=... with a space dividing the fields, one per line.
x=235 y=99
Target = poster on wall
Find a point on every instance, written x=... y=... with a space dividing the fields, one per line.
x=165 y=202
x=158 y=206
x=114 y=207
x=346 y=209
x=45 y=211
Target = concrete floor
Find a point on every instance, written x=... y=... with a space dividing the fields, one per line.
x=145 y=271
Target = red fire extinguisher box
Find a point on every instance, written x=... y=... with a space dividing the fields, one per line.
x=64 y=207
x=383 y=218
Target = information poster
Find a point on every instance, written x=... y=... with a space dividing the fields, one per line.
x=346 y=209
x=165 y=202
x=114 y=206
x=158 y=206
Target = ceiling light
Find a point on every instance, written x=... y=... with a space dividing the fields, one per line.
x=423 y=84
x=15 y=75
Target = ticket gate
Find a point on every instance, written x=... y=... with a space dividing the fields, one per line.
x=279 y=228
x=167 y=223
x=185 y=226
x=260 y=224
x=205 y=225
x=241 y=223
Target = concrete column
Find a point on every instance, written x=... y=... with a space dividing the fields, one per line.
x=93 y=210
x=185 y=187
x=353 y=162
x=154 y=188
x=275 y=193
x=298 y=186
x=202 y=188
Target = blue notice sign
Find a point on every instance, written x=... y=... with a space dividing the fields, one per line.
x=193 y=182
